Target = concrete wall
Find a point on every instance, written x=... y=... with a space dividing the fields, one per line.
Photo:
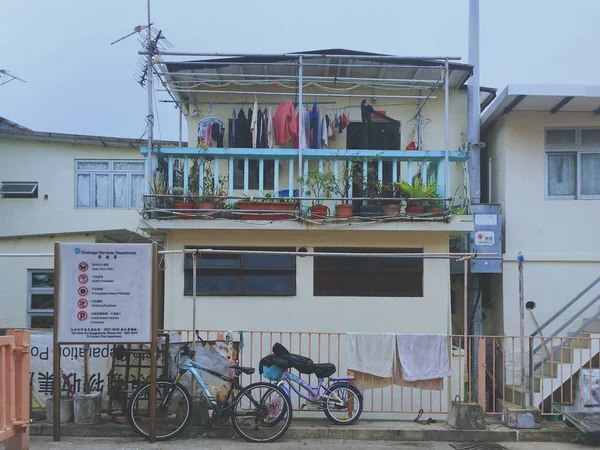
x=305 y=312
x=52 y=165
x=559 y=238
x=13 y=274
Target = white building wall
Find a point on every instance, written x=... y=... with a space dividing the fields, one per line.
x=52 y=165
x=305 y=312
x=559 y=238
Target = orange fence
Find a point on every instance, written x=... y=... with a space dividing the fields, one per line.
x=565 y=371
x=14 y=390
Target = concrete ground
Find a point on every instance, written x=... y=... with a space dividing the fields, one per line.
x=45 y=442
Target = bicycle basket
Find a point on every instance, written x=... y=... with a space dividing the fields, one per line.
x=273 y=373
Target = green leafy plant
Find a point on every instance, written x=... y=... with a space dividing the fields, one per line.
x=318 y=185
x=345 y=180
x=417 y=190
x=211 y=193
x=268 y=197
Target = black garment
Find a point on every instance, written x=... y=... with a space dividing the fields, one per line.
x=259 y=128
x=248 y=131
x=241 y=128
x=217 y=134
x=365 y=112
x=265 y=139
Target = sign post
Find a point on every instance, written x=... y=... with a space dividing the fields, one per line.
x=105 y=294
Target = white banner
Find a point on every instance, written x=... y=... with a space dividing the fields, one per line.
x=105 y=293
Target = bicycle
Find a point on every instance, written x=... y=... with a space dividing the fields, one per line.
x=174 y=404
x=338 y=395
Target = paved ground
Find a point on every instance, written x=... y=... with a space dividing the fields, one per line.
x=39 y=442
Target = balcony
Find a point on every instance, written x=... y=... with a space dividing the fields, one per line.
x=197 y=188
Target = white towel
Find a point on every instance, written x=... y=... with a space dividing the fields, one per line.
x=423 y=356
x=373 y=354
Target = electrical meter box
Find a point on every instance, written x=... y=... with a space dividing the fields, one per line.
x=486 y=238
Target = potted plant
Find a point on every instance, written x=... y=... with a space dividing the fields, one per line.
x=391 y=207
x=435 y=207
x=161 y=201
x=371 y=189
x=416 y=195
x=319 y=185
x=183 y=202
x=344 y=210
x=259 y=208
x=211 y=197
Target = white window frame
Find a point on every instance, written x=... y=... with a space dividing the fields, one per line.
x=31 y=290
x=111 y=171
x=578 y=149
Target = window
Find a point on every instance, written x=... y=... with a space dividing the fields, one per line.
x=109 y=184
x=368 y=276
x=40 y=298
x=573 y=163
x=253 y=174
x=19 y=189
x=239 y=274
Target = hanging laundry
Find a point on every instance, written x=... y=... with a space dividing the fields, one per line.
x=259 y=124
x=345 y=121
x=241 y=130
x=264 y=141
x=324 y=128
x=314 y=125
x=283 y=123
x=233 y=120
x=423 y=356
x=270 y=130
x=249 y=130
x=253 y=124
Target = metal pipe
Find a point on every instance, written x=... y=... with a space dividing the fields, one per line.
x=180 y=128
x=446 y=128
x=194 y=268
x=248 y=102
x=466 y=311
x=334 y=78
x=290 y=64
x=306 y=55
x=300 y=127
x=474 y=105
x=225 y=83
x=522 y=326
x=150 y=117
x=287 y=93
x=490 y=180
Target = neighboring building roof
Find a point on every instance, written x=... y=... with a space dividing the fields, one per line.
x=543 y=98
x=19 y=132
x=6 y=124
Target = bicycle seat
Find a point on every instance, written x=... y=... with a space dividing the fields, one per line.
x=324 y=370
x=246 y=370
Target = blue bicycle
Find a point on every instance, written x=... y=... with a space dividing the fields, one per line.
x=260 y=412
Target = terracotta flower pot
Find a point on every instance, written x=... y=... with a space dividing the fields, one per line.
x=318 y=212
x=184 y=207
x=259 y=209
x=391 y=210
x=435 y=211
x=415 y=209
x=204 y=205
x=343 y=211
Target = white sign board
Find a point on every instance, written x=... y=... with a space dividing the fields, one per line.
x=484 y=238
x=105 y=293
x=486 y=219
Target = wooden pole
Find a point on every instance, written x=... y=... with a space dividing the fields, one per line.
x=56 y=351
x=154 y=343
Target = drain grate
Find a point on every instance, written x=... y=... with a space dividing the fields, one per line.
x=477 y=446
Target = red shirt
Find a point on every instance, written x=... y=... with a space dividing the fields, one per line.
x=283 y=123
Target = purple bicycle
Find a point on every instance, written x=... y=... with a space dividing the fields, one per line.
x=340 y=400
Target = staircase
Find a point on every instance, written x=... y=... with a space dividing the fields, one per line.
x=554 y=363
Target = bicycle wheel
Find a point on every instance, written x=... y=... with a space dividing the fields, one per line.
x=346 y=399
x=173 y=410
x=257 y=413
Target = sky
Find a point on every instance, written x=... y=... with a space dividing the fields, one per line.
x=78 y=83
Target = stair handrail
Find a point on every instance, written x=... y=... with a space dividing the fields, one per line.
x=575 y=316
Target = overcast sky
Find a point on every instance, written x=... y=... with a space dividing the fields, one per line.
x=78 y=83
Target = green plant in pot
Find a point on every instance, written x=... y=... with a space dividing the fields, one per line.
x=342 y=185
x=161 y=200
x=183 y=202
x=416 y=195
x=435 y=206
x=392 y=192
x=259 y=208
x=213 y=194
x=372 y=189
x=318 y=185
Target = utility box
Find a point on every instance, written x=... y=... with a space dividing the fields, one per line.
x=486 y=238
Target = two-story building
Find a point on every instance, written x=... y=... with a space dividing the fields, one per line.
x=367 y=121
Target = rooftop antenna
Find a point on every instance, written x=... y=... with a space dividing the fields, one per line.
x=153 y=41
x=7 y=77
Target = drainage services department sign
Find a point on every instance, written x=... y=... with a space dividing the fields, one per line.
x=105 y=293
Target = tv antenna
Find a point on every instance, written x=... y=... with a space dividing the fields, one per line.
x=7 y=77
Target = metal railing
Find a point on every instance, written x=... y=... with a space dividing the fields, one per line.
x=533 y=365
x=14 y=389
